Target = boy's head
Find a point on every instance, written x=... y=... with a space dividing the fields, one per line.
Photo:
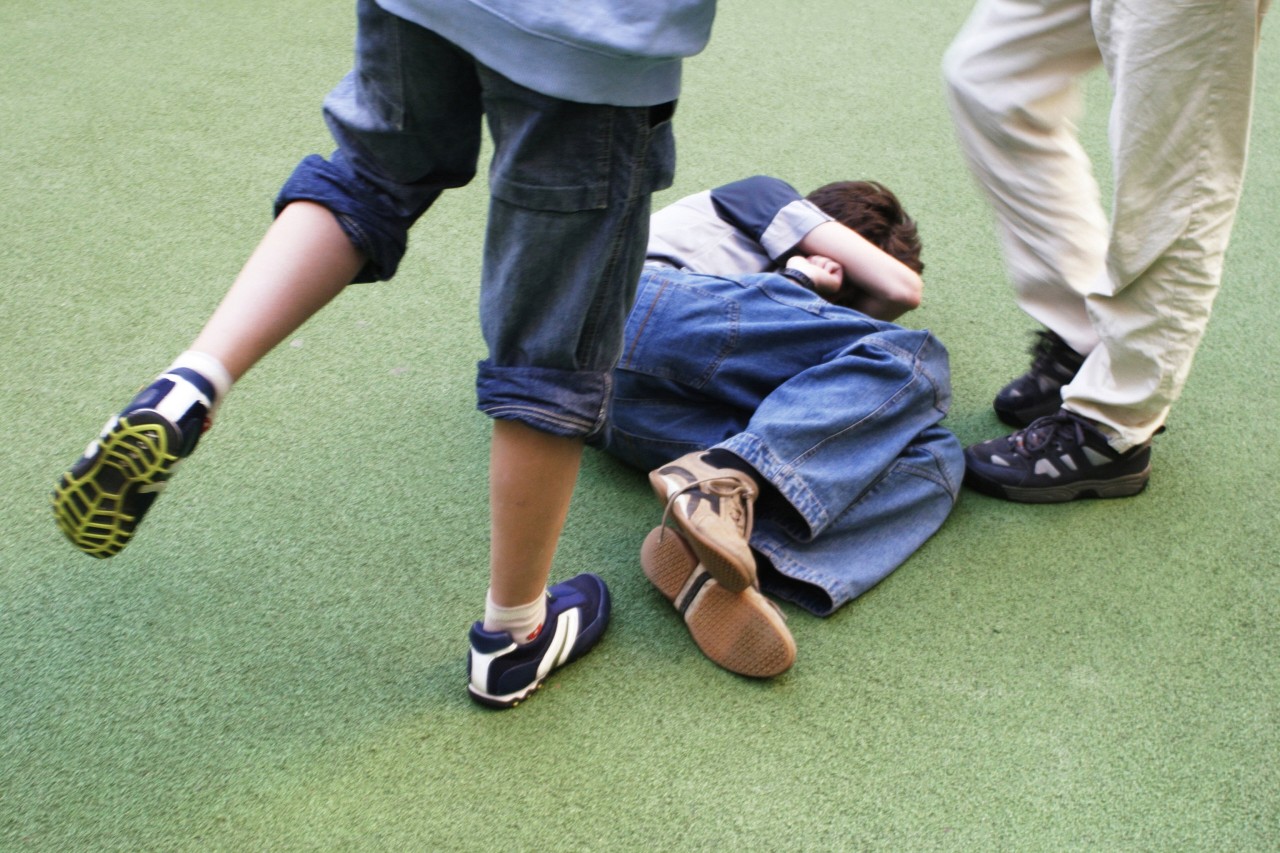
x=874 y=212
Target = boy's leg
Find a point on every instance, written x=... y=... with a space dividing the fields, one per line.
x=827 y=434
x=863 y=472
x=530 y=630
x=302 y=262
x=834 y=413
x=531 y=480
x=339 y=220
x=1012 y=75
x=879 y=530
x=860 y=471
x=566 y=236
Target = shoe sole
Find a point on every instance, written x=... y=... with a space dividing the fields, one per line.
x=99 y=508
x=1117 y=487
x=740 y=632
x=731 y=573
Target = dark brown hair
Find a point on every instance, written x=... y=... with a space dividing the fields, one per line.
x=874 y=212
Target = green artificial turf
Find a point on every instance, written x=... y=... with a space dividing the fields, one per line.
x=276 y=663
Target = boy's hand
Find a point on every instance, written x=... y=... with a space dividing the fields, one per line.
x=827 y=275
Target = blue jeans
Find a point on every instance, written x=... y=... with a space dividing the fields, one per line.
x=568 y=217
x=835 y=410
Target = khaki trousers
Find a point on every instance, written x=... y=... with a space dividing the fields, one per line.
x=1135 y=293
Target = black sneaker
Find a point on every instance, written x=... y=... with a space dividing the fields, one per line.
x=100 y=501
x=1057 y=458
x=1038 y=392
x=500 y=673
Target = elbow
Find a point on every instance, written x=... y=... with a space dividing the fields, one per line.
x=906 y=297
x=910 y=292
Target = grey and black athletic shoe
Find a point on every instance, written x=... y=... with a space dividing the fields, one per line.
x=101 y=499
x=1038 y=392
x=1057 y=458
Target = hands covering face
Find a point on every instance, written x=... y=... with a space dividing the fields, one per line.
x=827 y=275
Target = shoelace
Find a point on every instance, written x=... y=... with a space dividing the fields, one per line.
x=725 y=487
x=1044 y=430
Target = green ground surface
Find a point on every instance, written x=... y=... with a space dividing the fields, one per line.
x=277 y=662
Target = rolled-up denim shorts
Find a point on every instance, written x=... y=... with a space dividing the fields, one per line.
x=570 y=185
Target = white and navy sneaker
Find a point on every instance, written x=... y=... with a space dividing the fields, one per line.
x=502 y=673
x=1057 y=458
x=100 y=501
x=1038 y=392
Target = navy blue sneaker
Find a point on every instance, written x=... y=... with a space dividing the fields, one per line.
x=1038 y=392
x=1057 y=458
x=502 y=673
x=100 y=501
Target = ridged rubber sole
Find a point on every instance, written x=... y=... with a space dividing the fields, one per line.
x=1117 y=487
x=100 y=501
x=741 y=631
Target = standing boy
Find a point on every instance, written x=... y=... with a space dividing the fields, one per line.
x=578 y=99
x=1124 y=303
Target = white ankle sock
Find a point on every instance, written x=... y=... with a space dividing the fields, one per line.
x=210 y=368
x=523 y=623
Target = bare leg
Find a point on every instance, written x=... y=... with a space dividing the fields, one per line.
x=304 y=260
x=531 y=480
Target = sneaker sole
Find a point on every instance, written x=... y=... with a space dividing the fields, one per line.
x=1118 y=487
x=99 y=508
x=741 y=632
x=731 y=573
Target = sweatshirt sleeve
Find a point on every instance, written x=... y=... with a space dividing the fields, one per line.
x=769 y=211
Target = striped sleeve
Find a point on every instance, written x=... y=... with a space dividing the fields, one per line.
x=769 y=211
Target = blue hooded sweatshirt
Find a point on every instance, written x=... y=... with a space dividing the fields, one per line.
x=621 y=52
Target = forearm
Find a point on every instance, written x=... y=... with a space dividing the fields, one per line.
x=876 y=283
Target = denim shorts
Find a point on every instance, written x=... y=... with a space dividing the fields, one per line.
x=570 y=185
